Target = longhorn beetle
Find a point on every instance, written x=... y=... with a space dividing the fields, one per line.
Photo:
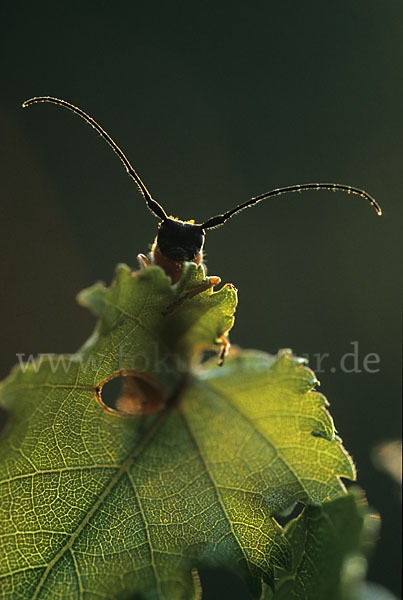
x=179 y=241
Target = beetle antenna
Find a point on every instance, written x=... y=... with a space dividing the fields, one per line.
x=153 y=205
x=219 y=220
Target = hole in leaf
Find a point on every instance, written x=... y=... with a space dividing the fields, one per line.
x=289 y=514
x=129 y=394
x=219 y=583
x=208 y=354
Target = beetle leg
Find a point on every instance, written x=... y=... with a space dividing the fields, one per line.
x=210 y=283
x=225 y=346
x=143 y=261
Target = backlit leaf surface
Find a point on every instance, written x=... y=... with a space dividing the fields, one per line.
x=95 y=505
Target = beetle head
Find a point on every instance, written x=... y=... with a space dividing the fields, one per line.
x=180 y=240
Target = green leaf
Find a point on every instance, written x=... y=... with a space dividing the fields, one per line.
x=327 y=546
x=97 y=505
x=134 y=333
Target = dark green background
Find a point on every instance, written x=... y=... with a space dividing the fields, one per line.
x=215 y=102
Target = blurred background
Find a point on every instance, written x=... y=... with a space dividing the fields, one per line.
x=215 y=102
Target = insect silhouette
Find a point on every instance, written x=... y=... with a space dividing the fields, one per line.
x=180 y=241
